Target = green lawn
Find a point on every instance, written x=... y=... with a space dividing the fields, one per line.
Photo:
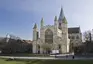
x=3 y=61
x=26 y=54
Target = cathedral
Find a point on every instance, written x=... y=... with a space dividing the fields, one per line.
x=55 y=37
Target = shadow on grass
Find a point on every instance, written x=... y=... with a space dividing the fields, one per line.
x=54 y=61
x=60 y=62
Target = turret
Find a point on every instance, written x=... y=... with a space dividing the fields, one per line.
x=35 y=32
x=35 y=26
x=42 y=22
x=56 y=25
x=55 y=21
x=55 y=18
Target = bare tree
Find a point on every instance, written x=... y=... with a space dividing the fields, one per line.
x=87 y=36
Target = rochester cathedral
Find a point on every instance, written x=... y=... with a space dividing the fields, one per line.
x=55 y=37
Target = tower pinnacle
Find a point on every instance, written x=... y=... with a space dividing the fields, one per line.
x=42 y=22
x=62 y=18
x=55 y=19
x=35 y=26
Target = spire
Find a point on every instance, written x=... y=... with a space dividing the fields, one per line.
x=55 y=18
x=35 y=26
x=42 y=22
x=61 y=16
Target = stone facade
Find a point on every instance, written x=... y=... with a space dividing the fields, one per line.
x=52 y=37
x=75 y=36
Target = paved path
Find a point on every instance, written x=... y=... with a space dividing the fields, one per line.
x=46 y=58
x=27 y=57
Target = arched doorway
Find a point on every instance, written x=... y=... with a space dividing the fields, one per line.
x=38 y=49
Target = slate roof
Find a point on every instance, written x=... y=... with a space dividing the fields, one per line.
x=74 y=30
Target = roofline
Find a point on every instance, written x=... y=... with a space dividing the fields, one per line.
x=76 y=27
x=73 y=27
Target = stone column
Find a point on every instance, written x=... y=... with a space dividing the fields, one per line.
x=34 y=48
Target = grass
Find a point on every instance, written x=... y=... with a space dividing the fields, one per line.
x=3 y=61
x=26 y=54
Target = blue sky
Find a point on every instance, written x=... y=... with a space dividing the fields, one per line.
x=18 y=16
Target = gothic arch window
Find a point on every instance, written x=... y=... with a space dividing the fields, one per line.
x=48 y=36
x=77 y=37
x=73 y=37
x=69 y=37
x=59 y=47
x=37 y=35
x=59 y=25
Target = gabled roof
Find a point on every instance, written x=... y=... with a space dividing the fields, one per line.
x=74 y=30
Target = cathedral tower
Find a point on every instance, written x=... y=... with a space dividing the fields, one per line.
x=64 y=28
x=62 y=22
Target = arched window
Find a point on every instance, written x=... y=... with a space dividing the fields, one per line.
x=37 y=35
x=59 y=25
x=77 y=37
x=48 y=36
x=73 y=37
x=59 y=46
x=69 y=37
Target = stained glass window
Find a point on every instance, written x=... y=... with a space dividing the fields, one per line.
x=48 y=36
